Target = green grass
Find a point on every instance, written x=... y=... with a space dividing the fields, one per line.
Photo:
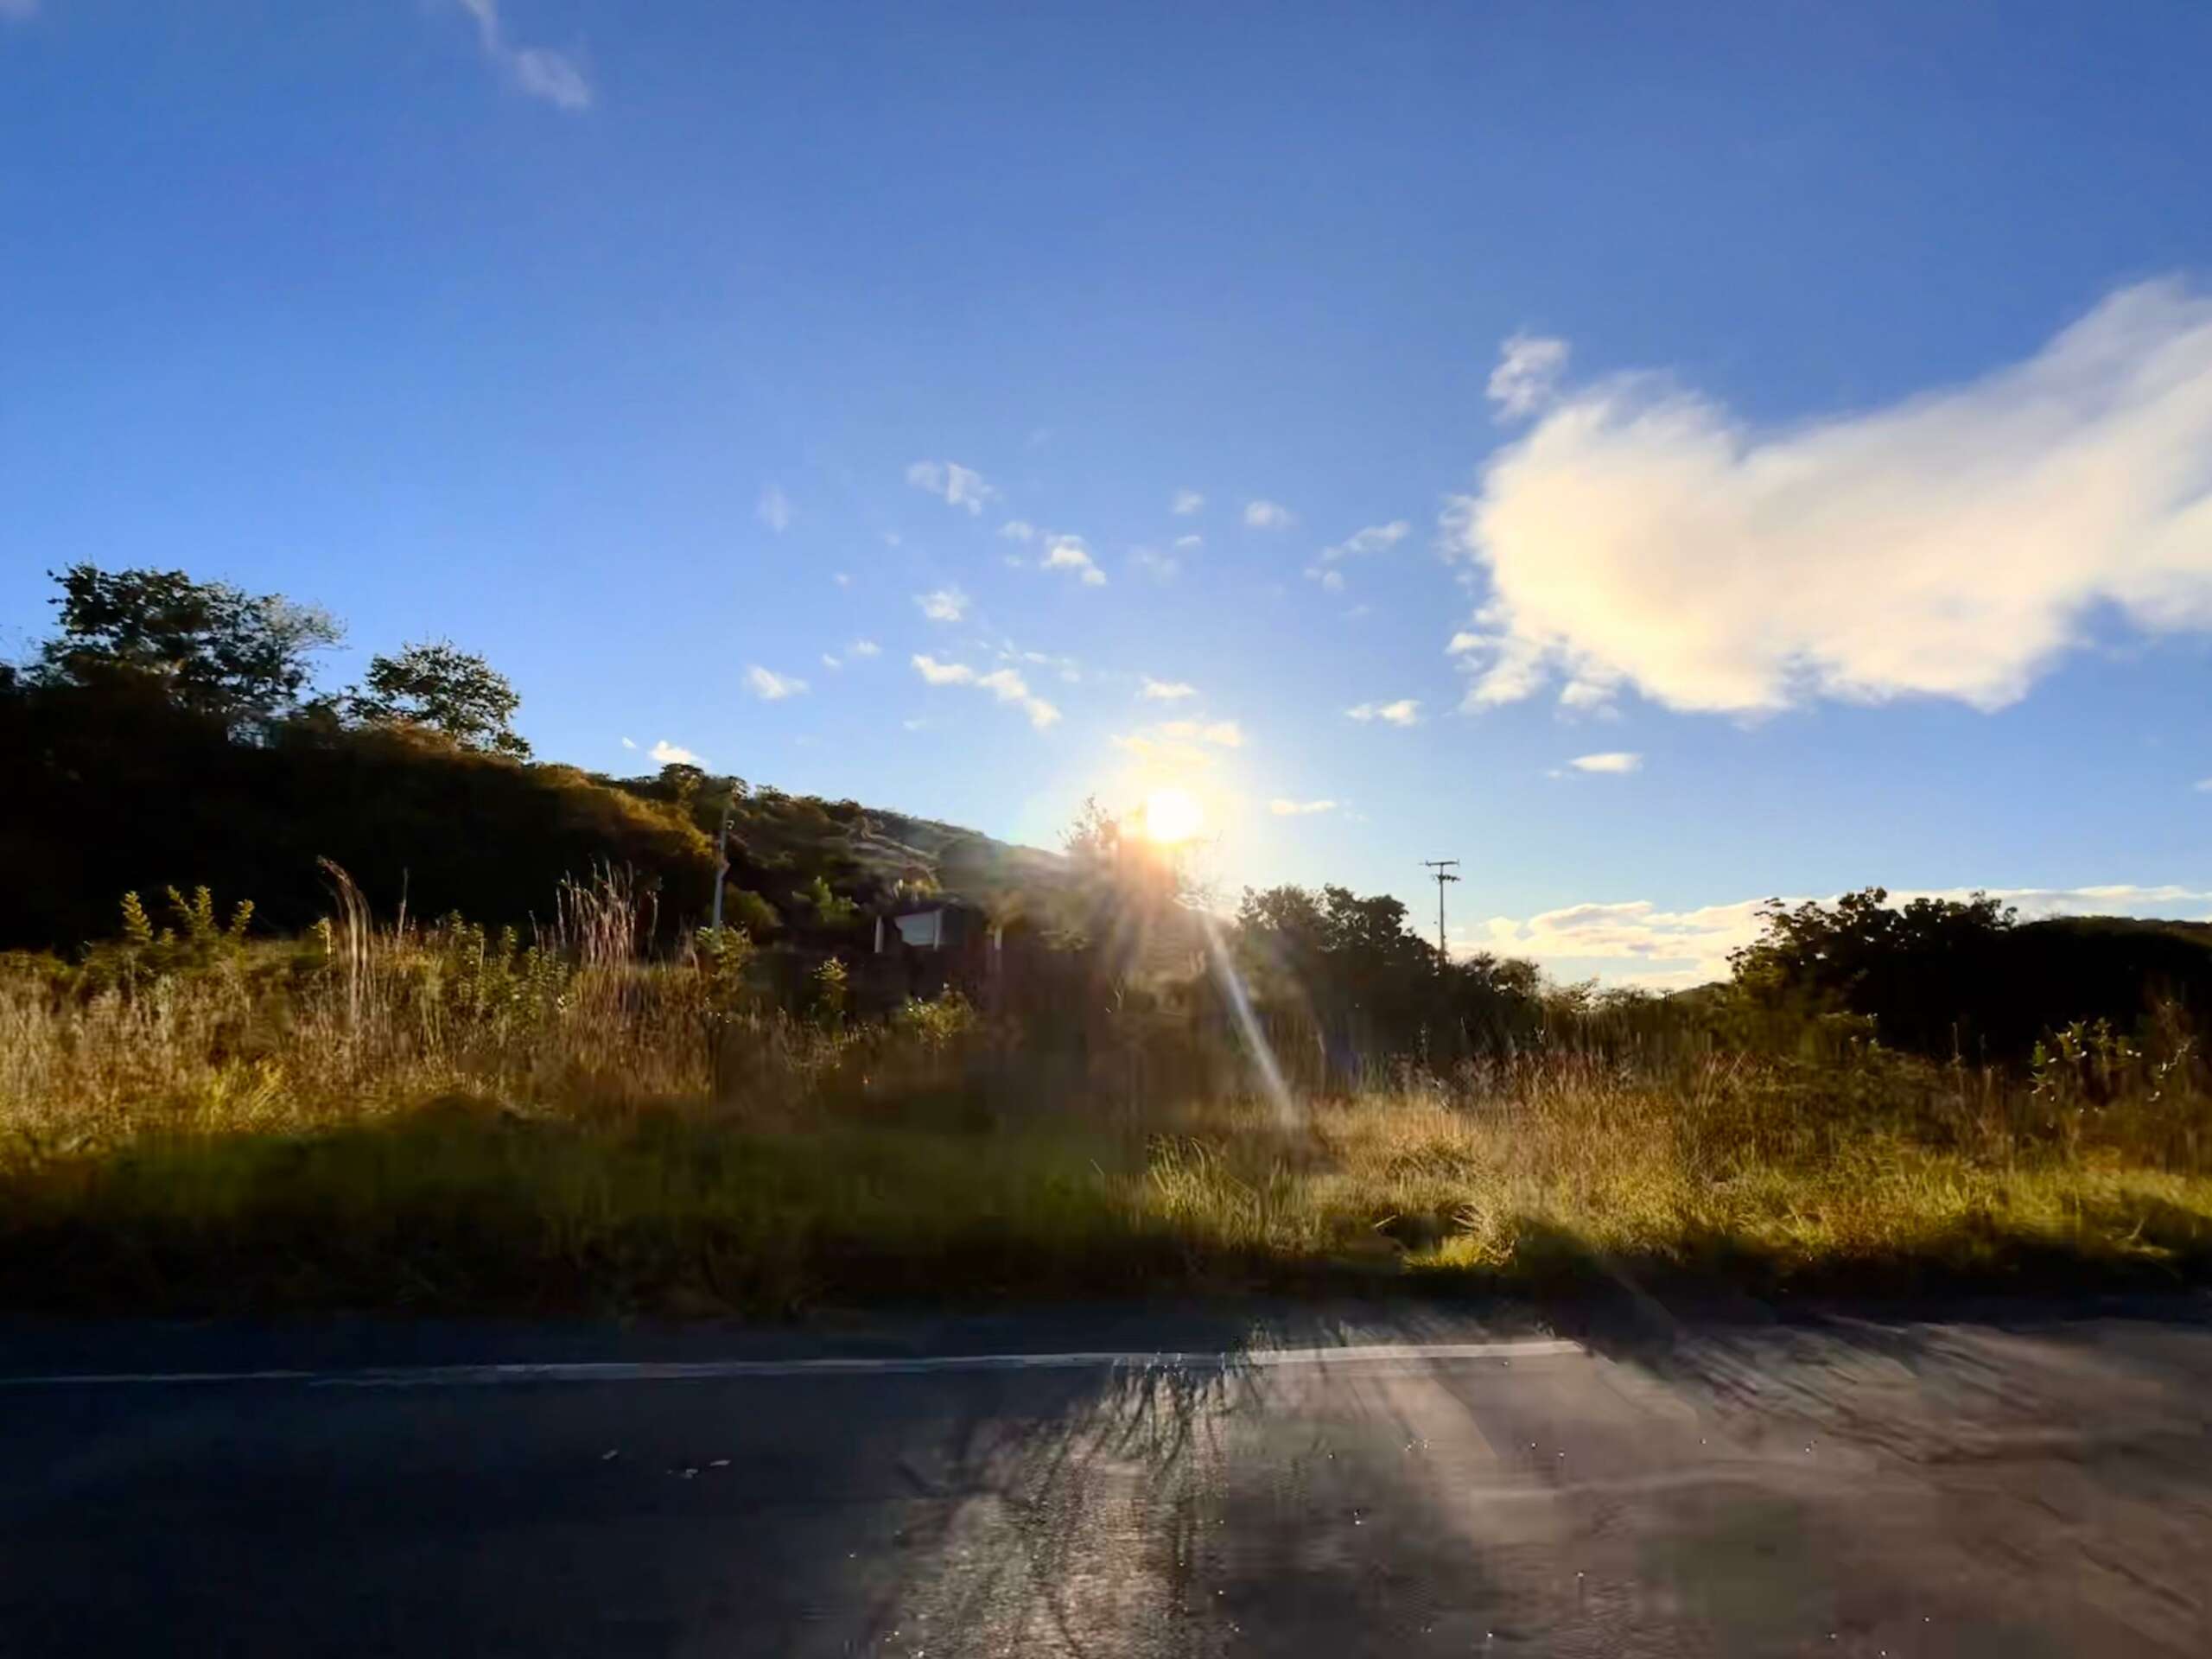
x=459 y=1206
x=418 y=1122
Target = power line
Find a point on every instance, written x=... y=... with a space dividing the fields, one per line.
x=1443 y=866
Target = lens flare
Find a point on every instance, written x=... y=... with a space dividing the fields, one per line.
x=1170 y=816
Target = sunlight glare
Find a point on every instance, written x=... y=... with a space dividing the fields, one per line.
x=1170 y=816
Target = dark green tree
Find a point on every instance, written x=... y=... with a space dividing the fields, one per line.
x=1926 y=971
x=209 y=647
x=438 y=685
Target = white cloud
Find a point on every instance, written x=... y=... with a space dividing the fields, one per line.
x=1405 y=711
x=1165 y=690
x=1186 y=502
x=1375 y=538
x=1010 y=687
x=1189 y=544
x=1018 y=530
x=1069 y=669
x=1589 y=697
x=1182 y=745
x=1613 y=760
x=958 y=486
x=936 y=673
x=829 y=662
x=1221 y=734
x=1331 y=581
x=629 y=742
x=1638 y=943
x=944 y=605
x=1289 y=809
x=841 y=578
x=863 y=648
x=1269 y=515
x=1072 y=553
x=1160 y=567
x=1004 y=684
x=553 y=76
x=1161 y=753
x=674 y=754
x=774 y=509
x=1528 y=367
x=1955 y=544
x=772 y=687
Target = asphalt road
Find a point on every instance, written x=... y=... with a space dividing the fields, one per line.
x=1830 y=1487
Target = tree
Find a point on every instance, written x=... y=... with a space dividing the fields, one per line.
x=438 y=685
x=1925 y=971
x=211 y=648
x=1096 y=837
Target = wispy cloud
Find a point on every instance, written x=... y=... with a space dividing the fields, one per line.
x=1160 y=567
x=774 y=509
x=944 y=605
x=1067 y=667
x=1165 y=690
x=1613 y=760
x=1288 y=809
x=18 y=11
x=1221 y=734
x=674 y=754
x=1405 y=711
x=1185 y=503
x=772 y=687
x=863 y=648
x=1529 y=368
x=1018 y=530
x=1637 y=942
x=1004 y=684
x=1375 y=538
x=554 y=77
x=842 y=578
x=937 y=673
x=1269 y=515
x=629 y=742
x=1073 y=553
x=1190 y=544
x=832 y=662
x=956 y=486
x=1331 y=581
x=1642 y=535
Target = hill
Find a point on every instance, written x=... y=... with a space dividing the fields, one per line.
x=113 y=791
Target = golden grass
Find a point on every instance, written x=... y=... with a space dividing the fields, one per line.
x=411 y=1118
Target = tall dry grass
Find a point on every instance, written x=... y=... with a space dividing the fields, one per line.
x=420 y=1114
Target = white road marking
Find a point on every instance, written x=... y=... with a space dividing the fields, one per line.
x=735 y=1370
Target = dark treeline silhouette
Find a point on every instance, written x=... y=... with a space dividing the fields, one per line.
x=1965 y=978
x=169 y=734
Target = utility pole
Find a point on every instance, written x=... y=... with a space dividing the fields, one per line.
x=1443 y=866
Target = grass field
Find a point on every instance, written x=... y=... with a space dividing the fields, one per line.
x=431 y=1120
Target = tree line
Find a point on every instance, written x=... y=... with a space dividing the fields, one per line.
x=169 y=732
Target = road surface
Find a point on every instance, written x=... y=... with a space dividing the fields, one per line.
x=1386 y=1484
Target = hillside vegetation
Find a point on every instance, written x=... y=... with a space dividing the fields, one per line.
x=449 y=1031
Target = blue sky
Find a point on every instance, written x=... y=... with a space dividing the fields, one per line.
x=1812 y=404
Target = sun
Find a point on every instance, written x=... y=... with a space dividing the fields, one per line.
x=1170 y=816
